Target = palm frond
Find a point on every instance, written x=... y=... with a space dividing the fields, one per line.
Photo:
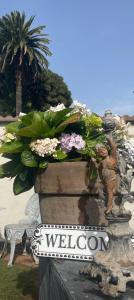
x=18 y=39
x=41 y=58
x=36 y=30
x=28 y=24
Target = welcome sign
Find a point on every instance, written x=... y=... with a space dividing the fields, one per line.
x=69 y=241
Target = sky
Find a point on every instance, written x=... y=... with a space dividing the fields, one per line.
x=92 y=42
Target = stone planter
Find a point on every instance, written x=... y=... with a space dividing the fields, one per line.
x=65 y=198
x=65 y=195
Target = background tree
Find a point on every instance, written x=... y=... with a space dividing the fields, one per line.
x=7 y=92
x=23 y=47
x=39 y=92
x=48 y=89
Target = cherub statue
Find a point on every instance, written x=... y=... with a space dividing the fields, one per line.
x=107 y=170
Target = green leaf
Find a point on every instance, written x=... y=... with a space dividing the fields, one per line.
x=38 y=127
x=12 y=147
x=5 y=170
x=16 y=169
x=69 y=120
x=9 y=169
x=43 y=164
x=13 y=127
x=28 y=159
x=55 y=118
x=46 y=124
x=27 y=119
x=32 y=130
x=60 y=155
x=23 y=182
x=23 y=175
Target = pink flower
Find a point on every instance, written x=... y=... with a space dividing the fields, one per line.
x=70 y=141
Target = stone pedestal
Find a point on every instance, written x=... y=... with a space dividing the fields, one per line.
x=115 y=267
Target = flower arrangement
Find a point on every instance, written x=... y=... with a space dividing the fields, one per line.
x=38 y=138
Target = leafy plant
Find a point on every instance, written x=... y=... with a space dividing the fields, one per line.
x=39 y=138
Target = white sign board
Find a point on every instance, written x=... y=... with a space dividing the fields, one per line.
x=69 y=241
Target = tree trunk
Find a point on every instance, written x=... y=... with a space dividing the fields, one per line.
x=18 y=91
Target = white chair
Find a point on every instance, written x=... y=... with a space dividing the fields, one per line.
x=32 y=211
x=24 y=228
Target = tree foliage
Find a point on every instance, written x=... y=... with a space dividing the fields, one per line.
x=24 y=79
x=39 y=92
x=23 y=47
x=48 y=89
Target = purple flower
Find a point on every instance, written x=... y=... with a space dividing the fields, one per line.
x=70 y=141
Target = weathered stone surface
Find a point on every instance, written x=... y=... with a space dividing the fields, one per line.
x=115 y=266
x=84 y=210
x=64 y=178
x=66 y=196
x=80 y=287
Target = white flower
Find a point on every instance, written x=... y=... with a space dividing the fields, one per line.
x=44 y=147
x=2 y=133
x=82 y=108
x=9 y=137
x=21 y=114
x=57 y=108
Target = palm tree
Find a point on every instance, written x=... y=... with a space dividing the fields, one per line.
x=23 y=47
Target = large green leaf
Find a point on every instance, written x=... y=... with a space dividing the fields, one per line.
x=69 y=120
x=10 y=169
x=37 y=129
x=28 y=159
x=58 y=121
x=27 y=119
x=33 y=129
x=12 y=147
x=43 y=124
x=13 y=127
x=55 y=118
x=24 y=181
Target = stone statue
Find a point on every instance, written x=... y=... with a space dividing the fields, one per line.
x=115 y=171
x=125 y=166
x=107 y=171
x=109 y=122
x=114 y=267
